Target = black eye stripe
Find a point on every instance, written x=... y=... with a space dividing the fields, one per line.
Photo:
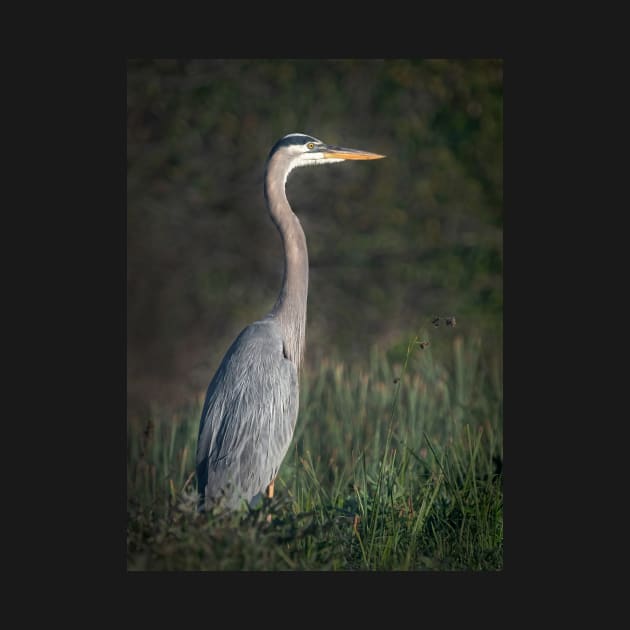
x=301 y=139
x=295 y=140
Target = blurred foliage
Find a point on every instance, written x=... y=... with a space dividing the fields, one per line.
x=392 y=243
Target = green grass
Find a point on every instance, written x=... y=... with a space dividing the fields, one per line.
x=394 y=466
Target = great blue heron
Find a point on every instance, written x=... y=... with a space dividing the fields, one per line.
x=251 y=404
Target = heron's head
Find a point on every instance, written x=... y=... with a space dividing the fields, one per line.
x=298 y=149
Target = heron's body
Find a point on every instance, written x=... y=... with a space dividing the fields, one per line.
x=257 y=384
x=252 y=401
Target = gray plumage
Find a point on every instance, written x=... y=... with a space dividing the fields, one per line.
x=252 y=401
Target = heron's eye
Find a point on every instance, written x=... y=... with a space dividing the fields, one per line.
x=311 y=145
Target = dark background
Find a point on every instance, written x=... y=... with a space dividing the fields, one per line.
x=392 y=243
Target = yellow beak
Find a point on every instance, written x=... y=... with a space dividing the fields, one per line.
x=341 y=153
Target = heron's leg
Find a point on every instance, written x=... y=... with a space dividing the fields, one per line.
x=270 y=495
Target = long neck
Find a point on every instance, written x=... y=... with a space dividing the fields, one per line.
x=290 y=307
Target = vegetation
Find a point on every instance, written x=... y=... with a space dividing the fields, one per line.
x=395 y=466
